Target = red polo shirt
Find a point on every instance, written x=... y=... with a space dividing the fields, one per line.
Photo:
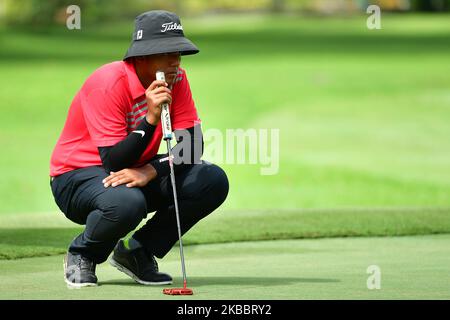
x=110 y=104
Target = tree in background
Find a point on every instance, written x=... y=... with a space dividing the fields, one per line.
x=278 y=6
x=49 y=12
x=415 y=5
x=431 y=5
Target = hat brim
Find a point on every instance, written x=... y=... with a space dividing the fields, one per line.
x=161 y=45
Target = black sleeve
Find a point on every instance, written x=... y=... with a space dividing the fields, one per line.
x=187 y=151
x=126 y=152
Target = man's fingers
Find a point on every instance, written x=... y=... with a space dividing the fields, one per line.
x=111 y=175
x=129 y=177
x=124 y=176
x=132 y=184
x=162 y=94
x=163 y=97
x=161 y=90
x=113 y=178
x=157 y=83
x=107 y=180
x=120 y=181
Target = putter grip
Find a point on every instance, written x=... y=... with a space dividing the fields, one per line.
x=165 y=115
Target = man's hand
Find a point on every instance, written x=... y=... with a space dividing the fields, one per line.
x=133 y=177
x=156 y=94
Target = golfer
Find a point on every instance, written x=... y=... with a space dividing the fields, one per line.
x=105 y=172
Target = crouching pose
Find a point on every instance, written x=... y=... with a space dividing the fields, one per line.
x=105 y=172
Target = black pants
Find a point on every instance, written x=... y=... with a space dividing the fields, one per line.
x=111 y=213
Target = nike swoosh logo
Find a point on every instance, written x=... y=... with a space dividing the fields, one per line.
x=142 y=132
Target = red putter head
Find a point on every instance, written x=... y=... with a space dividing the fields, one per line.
x=178 y=291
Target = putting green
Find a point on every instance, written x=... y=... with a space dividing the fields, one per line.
x=413 y=267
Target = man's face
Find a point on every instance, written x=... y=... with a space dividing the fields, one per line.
x=147 y=66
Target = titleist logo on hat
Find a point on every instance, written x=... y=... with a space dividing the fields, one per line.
x=157 y=32
x=170 y=26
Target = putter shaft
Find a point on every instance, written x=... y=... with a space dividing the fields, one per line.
x=166 y=126
x=177 y=214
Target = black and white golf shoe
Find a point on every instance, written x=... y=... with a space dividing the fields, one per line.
x=138 y=265
x=79 y=271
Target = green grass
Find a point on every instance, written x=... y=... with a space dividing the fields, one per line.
x=50 y=234
x=411 y=268
x=364 y=151
x=363 y=114
x=363 y=117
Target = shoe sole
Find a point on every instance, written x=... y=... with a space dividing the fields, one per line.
x=121 y=268
x=73 y=285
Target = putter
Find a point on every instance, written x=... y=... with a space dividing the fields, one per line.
x=167 y=136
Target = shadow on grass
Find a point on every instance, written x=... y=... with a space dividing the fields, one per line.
x=39 y=237
x=224 y=45
x=229 y=281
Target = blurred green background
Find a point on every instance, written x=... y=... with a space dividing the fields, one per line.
x=364 y=115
